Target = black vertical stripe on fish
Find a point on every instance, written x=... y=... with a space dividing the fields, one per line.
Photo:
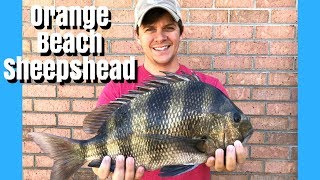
x=157 y=106
x=125 y=131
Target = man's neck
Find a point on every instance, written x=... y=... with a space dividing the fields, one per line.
x=155 y=68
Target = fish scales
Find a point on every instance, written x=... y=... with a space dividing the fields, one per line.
x=181 y=122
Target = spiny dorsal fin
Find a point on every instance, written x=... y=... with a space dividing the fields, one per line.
x=95 y=119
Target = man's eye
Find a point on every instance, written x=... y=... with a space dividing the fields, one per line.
x=170 y=28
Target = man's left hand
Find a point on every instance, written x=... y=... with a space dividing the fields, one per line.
x=235 y=154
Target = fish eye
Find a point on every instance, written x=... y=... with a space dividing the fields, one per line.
x=236 y=117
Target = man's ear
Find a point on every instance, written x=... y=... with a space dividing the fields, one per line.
x=137 y=37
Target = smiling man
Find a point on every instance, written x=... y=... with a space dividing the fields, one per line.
x=159 y=31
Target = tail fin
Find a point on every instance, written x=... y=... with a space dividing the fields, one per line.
x=64 y=151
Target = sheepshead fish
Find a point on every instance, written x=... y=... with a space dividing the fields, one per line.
x=174 y=122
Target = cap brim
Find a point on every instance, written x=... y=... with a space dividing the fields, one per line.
x=173 y=14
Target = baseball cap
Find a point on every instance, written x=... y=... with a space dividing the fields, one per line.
x=143 y=6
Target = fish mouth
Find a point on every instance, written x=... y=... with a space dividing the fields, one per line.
x=247 y=136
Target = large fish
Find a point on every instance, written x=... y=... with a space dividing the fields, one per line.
x=174 y=122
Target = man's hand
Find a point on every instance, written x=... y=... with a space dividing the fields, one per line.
x=124 y=169
x=235 y=154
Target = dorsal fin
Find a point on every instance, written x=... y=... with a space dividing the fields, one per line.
x=96 y=118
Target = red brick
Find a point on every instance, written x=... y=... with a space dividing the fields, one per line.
x=238 y=93
x=116 y=31
x=38 y=119
x=283 y=79
x=76 y=91
x=33 y=174
x=44 y=161
x=275 y=3
x=282 y=138
x=275 y=63
x=30 y=147
x=249 y=47
x=25 y=132
x=251 y=108
x=247 y=78
x=27 y=105
x=289 y=109
x=26 y=14
x=54 y=131
x=29 y=31
x=268 y=177
x=26 y=46
x=283 y=48
x=250 y=166
x=269 y=123
x=273 y=152
x=182 y=47
x=73 y=3
x=71 y=119
x=249 y=16
x=32 y=90
x=228 y=177
x=195 y=4
x=197 y=32
x=256 y=138
x=196 y=62
x=208 y=16
x=281 y=167
x=31 y=57
x=221 y=76
x=284 y=16
x=80 y=134
x=271 y=94
x=275 y=32
x=294 y=94
x=27 y=160
x=122 y=16
x=51 y=105
x=114 y=3
x=234 y=4
x=293 y=124
x=99 y=90
x=83 y=105
x=37 y=2
x=294 y=153
x=232 y=62
x=229 y=32
x=126 y=47
x=208 y=47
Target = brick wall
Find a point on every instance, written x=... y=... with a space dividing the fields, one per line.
x=250 y=45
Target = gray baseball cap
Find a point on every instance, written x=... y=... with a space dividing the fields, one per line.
x=143 y=6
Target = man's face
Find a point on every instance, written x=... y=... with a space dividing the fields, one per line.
x=160 y=41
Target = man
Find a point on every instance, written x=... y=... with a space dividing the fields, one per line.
x=159 y=31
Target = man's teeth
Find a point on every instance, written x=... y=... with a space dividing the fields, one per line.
x=161 y=48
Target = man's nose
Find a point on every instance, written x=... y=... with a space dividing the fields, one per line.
x=160 y=36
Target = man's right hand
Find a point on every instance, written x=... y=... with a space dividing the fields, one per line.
x=124 y=169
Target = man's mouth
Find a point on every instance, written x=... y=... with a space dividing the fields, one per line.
x=163 y=48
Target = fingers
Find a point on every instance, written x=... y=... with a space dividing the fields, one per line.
x=119 y=170
x=210 y=162
x=219 y=160
x=103 y=171
x=240 y=151
x=129 y=175
x=231 y=158
x=139 y=173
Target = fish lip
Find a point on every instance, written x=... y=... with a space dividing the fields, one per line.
x=247 y=136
